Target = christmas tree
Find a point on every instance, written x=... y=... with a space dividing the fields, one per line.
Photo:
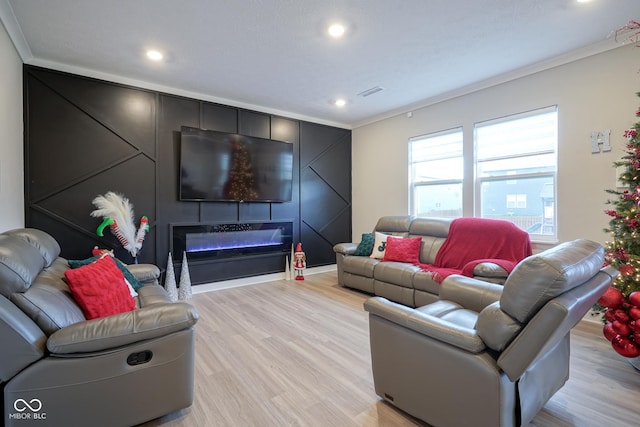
x=622 y=299
x=241 y=183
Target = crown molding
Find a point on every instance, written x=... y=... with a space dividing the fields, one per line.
x=86 y=72
x=10 y=22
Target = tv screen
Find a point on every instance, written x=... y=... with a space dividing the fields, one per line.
x=217 y=166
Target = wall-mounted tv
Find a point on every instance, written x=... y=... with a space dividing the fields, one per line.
x=218 y=166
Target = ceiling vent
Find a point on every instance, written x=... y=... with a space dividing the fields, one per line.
x=371 y=91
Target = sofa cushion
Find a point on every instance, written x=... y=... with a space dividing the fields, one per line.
x=396 y=273
x=20 y=264
x=50 y=304
x=396 y=225
x=541 y=277
x=379 y=245
x=45 y=244
x=100 y=289
x=424 y=281
x=403 y=249
x=365 y=247
x=361 y=266
x=496 y=328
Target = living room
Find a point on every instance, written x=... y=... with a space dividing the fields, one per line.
x=593 y=88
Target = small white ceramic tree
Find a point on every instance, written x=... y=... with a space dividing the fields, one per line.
x=184 y=292
x=170 y=280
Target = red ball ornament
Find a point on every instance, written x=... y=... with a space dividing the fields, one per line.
x=608 y=332
x=634 y=298
x=634 y=313
x=608 y=315
x=622 y=329
x=625 y=347
x=612 y=298
x=620 y=315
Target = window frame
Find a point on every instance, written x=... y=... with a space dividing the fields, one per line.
x=553 y=174
x=413 y=185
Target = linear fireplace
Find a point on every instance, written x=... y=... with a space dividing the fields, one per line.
x=228 y=240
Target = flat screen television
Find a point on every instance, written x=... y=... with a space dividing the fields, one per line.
x=218 y=166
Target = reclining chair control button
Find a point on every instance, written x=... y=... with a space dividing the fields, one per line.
x=139 y=358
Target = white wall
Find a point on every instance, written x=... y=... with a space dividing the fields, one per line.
x=11 y=139
x=595 y=93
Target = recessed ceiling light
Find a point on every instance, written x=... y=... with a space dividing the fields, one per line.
x=336 y=30
x=154 y=55
x=340 y=102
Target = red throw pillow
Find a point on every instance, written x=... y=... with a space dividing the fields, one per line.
x=99 y=289
x=403 y=249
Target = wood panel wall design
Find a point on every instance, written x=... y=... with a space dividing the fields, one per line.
x=84 y=137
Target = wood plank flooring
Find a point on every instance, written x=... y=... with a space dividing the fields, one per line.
x=296 y=353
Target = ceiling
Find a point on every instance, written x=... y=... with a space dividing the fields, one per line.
x=275 y=55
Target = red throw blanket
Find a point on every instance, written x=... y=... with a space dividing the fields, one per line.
x=474 y=240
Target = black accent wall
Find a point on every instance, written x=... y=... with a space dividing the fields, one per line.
x=84 y=137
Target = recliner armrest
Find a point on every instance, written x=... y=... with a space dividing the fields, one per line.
x=490 y=270
x=145 y=273
x=122 y=329
x=473 y=294
x=425 y=324
x=345 y=248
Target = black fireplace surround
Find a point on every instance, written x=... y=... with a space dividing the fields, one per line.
x=215 y=241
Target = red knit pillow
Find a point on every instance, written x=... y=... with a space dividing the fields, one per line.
x=99 y=289
x=403 y=249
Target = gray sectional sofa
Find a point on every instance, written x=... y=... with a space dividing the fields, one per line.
x=404 y=283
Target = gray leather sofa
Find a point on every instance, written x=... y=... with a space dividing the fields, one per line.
x=485 y=354
x=60 y=369
x=404 y=283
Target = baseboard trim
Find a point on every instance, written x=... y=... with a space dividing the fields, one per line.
x=254 y=280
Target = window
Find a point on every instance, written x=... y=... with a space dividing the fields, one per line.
x=516 y=163
x=516 y=201
x=436 y=173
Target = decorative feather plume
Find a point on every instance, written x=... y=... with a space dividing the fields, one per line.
x=118 y=208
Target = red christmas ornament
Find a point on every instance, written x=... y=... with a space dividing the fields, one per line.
x=621 y=329
x=608 y=332
x=612 y=298
x=609 y=315
x=634 y=298
x=627 y=269
x=625 y=347
x=634 y=313
x=620 y=315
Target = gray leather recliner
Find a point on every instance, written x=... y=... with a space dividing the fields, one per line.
x=60 y=369
x=484 y=354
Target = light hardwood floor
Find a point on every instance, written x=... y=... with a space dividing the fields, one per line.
x=296 y=353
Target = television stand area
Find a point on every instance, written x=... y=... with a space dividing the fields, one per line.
x=222 y=251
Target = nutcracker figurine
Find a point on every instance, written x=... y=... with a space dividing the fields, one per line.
x=299 y=262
